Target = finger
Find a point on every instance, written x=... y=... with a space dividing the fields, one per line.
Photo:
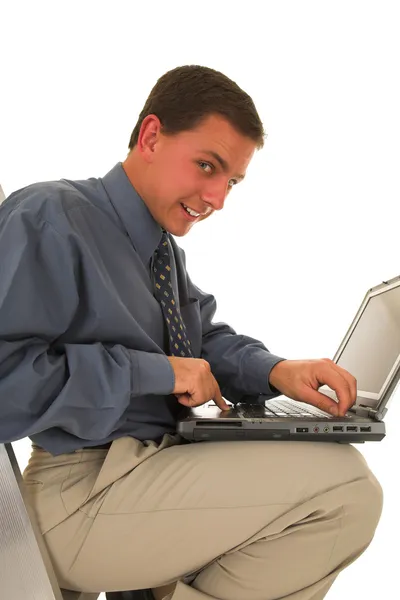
x=218 y=399
x=191 y=402
x=351 y=381
x=319 y=400
x=334 y=379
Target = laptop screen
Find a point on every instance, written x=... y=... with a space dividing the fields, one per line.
x=372 y=352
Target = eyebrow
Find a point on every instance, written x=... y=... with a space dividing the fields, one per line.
x=222 y=162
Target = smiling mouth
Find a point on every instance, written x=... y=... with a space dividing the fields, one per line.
x=190 y=211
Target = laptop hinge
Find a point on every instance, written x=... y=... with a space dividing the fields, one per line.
x=367 y=411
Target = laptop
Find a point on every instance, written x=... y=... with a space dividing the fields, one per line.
x=370 y=351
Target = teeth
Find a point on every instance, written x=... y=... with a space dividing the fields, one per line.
x=190 y=211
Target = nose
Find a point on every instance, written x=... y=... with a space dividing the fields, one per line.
x=215 y=194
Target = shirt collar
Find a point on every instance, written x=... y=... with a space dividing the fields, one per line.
x=145 y=233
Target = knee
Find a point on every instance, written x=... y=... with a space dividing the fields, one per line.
x=362 y=508
x=374 y=497
x=374 y=491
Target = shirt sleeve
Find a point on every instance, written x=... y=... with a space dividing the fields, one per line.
x=240 y=364
x=83 y=389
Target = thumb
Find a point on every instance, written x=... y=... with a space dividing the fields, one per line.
x=185 y=399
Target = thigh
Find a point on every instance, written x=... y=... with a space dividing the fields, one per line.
x=233 y=474
x=183 y=507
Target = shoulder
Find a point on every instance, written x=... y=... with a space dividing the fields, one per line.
x=50 y=202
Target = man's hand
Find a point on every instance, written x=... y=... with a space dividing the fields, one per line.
x=300 y=380
x=194 y=383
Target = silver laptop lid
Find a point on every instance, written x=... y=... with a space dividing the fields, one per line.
x=370 y=349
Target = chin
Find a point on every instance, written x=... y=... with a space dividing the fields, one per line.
x=179 y=231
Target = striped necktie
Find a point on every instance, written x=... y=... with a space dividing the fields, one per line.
x=178 y=340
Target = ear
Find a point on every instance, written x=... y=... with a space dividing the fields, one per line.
x=149 y=135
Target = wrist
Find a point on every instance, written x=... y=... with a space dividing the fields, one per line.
x=274 y=375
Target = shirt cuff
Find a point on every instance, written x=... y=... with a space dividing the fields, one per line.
x=152 y=374
x=258 y=370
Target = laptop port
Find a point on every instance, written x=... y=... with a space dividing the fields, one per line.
x=326 y=429
x=302 y=429
x=337 y=428
x=365 y=428
x=351 y=428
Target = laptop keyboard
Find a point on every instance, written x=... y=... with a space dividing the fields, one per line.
x=284 y=408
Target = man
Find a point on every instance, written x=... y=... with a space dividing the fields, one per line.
x=105 y=340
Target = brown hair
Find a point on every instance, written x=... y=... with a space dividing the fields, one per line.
x=186 y=95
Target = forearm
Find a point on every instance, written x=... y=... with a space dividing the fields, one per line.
x=240 y=364
x=84 y=389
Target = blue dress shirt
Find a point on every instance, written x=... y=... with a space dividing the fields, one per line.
x=83 y=342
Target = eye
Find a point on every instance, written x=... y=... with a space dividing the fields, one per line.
x=203 y=165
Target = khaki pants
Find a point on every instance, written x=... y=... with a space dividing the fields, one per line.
x=230 y=520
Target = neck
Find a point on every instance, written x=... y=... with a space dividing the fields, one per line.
x=135 y=171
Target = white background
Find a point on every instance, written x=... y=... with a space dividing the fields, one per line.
x=316 y=222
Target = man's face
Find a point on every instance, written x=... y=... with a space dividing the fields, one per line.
x=193 y=170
